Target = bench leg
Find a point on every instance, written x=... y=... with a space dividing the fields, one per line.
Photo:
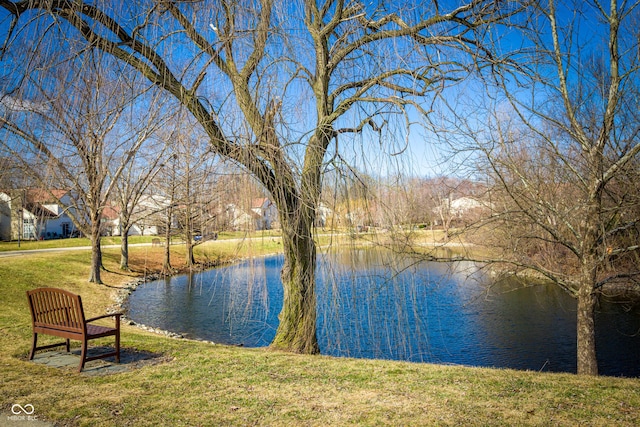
x=117 y=339
x=68 y=347
x=33 y=346
x=118 y=347
x=83 y=355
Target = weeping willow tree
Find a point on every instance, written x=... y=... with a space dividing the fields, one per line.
x=273 y=84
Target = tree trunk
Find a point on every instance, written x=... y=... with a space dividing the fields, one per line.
x=297 y=329
x=188 y=239
x=166 y=266
x=586 y=343
x=188 y=229
x=124 y=249
x=96 y=254
x=190 y=259
x=587 y=292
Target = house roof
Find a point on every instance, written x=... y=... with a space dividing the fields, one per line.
x=110 y=212
x=36 y=198
x=237 y=213
x=258 y=203
x=40 y=195
x=154 y=201
x=40 y=211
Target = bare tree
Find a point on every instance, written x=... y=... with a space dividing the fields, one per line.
x=12 y=175
x=293 y=76
x=166 y=194
x=191 y=166
x=561 y=148
x=132 y=186
x=441 y=194
x=71 y=123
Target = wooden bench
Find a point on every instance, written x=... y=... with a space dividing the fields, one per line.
x=58 y=312
x=156 y=242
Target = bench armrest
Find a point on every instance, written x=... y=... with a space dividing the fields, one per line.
x=116 y=315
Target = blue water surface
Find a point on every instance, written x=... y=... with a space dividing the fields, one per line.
x=373 y=304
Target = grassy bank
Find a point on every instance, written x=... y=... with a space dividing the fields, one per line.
x=204 y=384
x=26 y=245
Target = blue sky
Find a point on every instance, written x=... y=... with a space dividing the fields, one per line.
x=422 y=156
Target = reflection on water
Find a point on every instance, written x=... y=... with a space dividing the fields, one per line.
x=372 y=304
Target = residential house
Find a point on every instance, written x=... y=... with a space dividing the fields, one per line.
x=150 y=216
x=110 y=220
x=239 y=219
x=323 y=214
x=464 y=205
x=5 y=216
x=459 y=210
x=35 y=214
x=266 y=214
x=51 y=208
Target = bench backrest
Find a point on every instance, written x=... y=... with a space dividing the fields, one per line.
x=57 y=308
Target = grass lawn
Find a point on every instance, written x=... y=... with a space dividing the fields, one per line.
x=202 y=384
x=25 y=245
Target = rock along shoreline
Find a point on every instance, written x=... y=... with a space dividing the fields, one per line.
x=121 y=299
x=121 y=295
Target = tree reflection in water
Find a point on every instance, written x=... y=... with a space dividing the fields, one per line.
x=373 y=304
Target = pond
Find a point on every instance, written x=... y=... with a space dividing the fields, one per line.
x=375 y=305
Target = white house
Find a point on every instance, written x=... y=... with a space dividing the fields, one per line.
x=462 y=205
x=323 y=213
x=5 y=216
x=239 y=219
x=17 y=219
x=35 y=214
x=266 y=214
x=50 y=209
x=148 y=216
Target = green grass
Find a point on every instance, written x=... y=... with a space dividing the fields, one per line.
x=324 y=238
x=206 y=384
x=26 y=245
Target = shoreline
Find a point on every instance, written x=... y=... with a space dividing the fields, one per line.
x=615 y=293
x=120 y=296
